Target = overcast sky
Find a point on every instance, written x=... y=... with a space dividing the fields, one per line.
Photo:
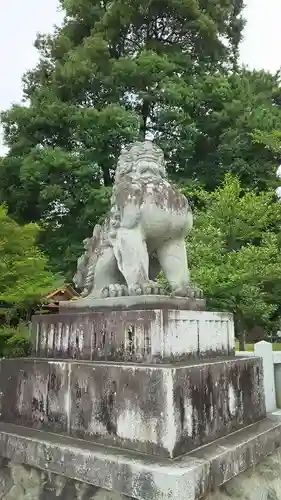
x=21 y=20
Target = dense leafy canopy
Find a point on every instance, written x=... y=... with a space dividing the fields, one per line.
x=115 y=71
x=235 y=255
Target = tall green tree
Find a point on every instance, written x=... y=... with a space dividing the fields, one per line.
x=115 y=71
x=119 y=70
x=239 y=120
x=234 y=253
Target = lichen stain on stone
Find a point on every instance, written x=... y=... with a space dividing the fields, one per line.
x=132 y=406
x=219 y=398
x=114 y=334
x=124 y=409
x=105 y=413
x=35 y=391
x=131 y=340
x=83 y=405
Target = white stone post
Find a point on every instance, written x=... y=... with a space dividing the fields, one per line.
x=264 y=350
x=277 y=373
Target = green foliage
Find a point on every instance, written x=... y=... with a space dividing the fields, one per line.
x=14 y=341
x=24 y=278
x=234 y=252
x=117 y=71
x=114 y=72
x=236 y=119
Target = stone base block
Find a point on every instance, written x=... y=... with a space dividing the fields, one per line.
x=164 y=410
x=113 y=474
x=150 y=336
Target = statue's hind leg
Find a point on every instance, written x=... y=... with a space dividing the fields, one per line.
x=107 y=279
x=173 y=260
x=131 y=253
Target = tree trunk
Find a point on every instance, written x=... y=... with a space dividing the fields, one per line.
x=240 y=331
x=242 y=338
x=144 y=119
x=106 y=176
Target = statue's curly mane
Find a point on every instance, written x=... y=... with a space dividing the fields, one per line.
x=129 y=157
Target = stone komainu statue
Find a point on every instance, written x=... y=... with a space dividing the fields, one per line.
x=143 y=233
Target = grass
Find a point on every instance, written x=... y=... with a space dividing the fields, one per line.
x=250 y=347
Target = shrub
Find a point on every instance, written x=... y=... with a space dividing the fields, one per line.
x=14 y=341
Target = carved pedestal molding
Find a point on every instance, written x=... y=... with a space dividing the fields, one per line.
x=151 y=336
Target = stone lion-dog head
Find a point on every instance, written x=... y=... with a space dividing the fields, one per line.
x=141 y=161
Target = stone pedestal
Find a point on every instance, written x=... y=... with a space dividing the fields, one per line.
x=161 y=382
x=142 y=336
x=158 y=409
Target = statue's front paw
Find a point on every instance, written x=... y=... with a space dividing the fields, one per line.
x=147 y=288
x=191 y=291
x=114 y=290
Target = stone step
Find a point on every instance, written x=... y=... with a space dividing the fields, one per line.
x=137 y=476
x=165 y=410
x=141 y=336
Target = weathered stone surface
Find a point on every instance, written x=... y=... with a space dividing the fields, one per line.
x=238 y=452
x=34 y=393
x=144 y=232
x=21 y=482
x=151 y=336
x=261 y=482
x=165 y=410
x=114 y=473
x=138 y=476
